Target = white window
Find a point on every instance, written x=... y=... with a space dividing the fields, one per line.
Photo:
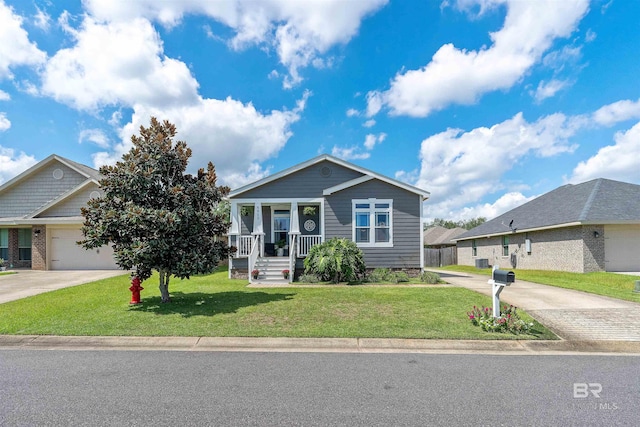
x=372 y=222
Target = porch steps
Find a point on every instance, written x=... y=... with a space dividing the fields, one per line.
x=271 y=270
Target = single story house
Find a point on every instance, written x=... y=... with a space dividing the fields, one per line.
x=317 y=200
x=40 y=218
x=438 y=237
x=592 y=226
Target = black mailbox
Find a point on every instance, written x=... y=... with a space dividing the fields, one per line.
x=503 y=276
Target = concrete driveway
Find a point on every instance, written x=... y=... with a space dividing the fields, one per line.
x=26 y=283
x=572 y=315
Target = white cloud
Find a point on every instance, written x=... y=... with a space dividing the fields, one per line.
x=4 y=96
x=369 y=123
x=459 y=76
x=12 y=164
x=42 y=20
x=300 y=32
x=359 y=153
x=461 y=168
x=618 y=161
x=233 y=135
x=371 y=140
x=95 y=136
x=350 y=153
x=590 y=36
x=620 y=111
x=15 y=47
x=351 y=112
x=505 y=203
x=548 y=89
x=117 y=64
x=122 y=64
x=4 y=122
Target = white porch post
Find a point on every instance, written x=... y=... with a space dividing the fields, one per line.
x=235 y=220
x=258 y=227
x=295 y=221
x=233 y=232
x=294 y=225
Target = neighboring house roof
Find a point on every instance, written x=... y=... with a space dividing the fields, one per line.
x=368 y=175
x=437 y=235
x=30 y=215
x=88 y=172
x=599 y=201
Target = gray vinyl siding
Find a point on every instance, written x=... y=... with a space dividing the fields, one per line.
x=306 y=183
x=37 y=190
x=72 y=205
x=405 y=252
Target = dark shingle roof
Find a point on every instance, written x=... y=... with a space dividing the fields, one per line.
x=597 y=201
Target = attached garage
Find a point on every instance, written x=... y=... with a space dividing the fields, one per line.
x=622 y=247
x=65 y=254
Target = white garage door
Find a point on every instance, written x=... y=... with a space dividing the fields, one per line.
x=67 y=255
x=622 y=247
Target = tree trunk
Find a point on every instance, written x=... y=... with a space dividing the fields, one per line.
x=164 y=286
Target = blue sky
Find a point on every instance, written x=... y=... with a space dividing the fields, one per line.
x=484 y=103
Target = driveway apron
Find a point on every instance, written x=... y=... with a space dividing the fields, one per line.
x=25 y=283
x=572 y=315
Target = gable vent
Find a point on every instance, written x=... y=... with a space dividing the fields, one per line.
x=325 y=172
x=58 y=174
x=94 y=194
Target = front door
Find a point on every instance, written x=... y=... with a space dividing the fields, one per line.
x=281 y=224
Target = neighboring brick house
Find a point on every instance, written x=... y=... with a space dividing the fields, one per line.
x=592 y=226
x=40 y=217
x=319 y=199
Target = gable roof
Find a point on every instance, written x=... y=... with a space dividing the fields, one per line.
x=599 y=201
x=83 y=170
x=368 y=174
x=90 y=175
x=439 y=235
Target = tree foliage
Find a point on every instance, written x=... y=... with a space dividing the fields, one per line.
x=336 y=260
x=155 y=215
x=467 y=224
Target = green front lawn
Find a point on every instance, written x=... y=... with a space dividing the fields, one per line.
x=213 y=305
x=608 y=284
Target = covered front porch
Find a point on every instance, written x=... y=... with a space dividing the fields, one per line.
x=283 y=228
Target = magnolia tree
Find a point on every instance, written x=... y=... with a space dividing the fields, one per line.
x=155 y=215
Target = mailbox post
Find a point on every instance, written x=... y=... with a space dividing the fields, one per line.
x=499 y=279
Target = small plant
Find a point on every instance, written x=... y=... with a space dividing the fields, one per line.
x=255 y=273
x=336 y=260
x=380 y=275
x=285 y=274
x=308 y=278
x=2 y=267
x=309 y=210
x=509 y=320
x=281 y=243
x=400 y=277
x=430 y=277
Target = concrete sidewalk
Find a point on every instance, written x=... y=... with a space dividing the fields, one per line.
x=572 y=315
x=329 y=345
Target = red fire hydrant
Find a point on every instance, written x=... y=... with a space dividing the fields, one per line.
x=135 y=290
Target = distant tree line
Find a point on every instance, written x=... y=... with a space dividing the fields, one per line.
x=467 y=224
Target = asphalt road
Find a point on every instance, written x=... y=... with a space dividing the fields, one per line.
x=96 y=388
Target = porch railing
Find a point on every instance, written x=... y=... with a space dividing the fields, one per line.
x=305 y=243
x=253 y=255
x=245 y=244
